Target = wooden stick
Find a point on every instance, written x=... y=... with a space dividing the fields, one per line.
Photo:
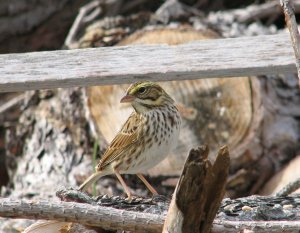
x=289 y=188
x=199 y=193
x=291 y=23
x=12 y=102
x=259 y=11
x=244 y=56
x=113 y=219
x=104 y=217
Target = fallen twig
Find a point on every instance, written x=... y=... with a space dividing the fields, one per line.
x=16 y=100
x=260 y=11
x=262 y=214
x=289 y=188
x=104 y=217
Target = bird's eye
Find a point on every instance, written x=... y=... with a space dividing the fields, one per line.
x=142 y=90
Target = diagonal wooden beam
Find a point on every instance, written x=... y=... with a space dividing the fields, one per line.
x=290 y=19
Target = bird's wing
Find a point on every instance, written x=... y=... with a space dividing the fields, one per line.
x=130 y=134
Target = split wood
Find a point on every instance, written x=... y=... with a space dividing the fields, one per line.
x=199 y=192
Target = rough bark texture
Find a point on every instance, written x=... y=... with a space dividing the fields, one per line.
x=55 y=143
x=200 y=185
x=105 y=217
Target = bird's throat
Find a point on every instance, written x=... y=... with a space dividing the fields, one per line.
x=142 y=107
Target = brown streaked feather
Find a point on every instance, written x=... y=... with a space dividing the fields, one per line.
x=131 y=133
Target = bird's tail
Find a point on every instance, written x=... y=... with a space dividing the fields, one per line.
x=93 y=178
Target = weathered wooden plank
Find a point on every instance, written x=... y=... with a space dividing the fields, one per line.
x=115 y=65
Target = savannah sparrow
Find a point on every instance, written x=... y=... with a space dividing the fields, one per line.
x=146 y=137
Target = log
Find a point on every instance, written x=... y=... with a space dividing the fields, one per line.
x=52 y=139
x=119 y=65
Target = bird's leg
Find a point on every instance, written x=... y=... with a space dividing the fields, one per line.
x=148 y=185
x=127 y=190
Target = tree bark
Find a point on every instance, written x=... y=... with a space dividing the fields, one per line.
x=199 y=192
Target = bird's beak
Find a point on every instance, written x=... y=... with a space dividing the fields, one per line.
x=127 y=99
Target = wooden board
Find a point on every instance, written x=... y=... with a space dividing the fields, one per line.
x=257 y=55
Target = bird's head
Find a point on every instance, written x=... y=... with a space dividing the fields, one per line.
x=146 y=95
